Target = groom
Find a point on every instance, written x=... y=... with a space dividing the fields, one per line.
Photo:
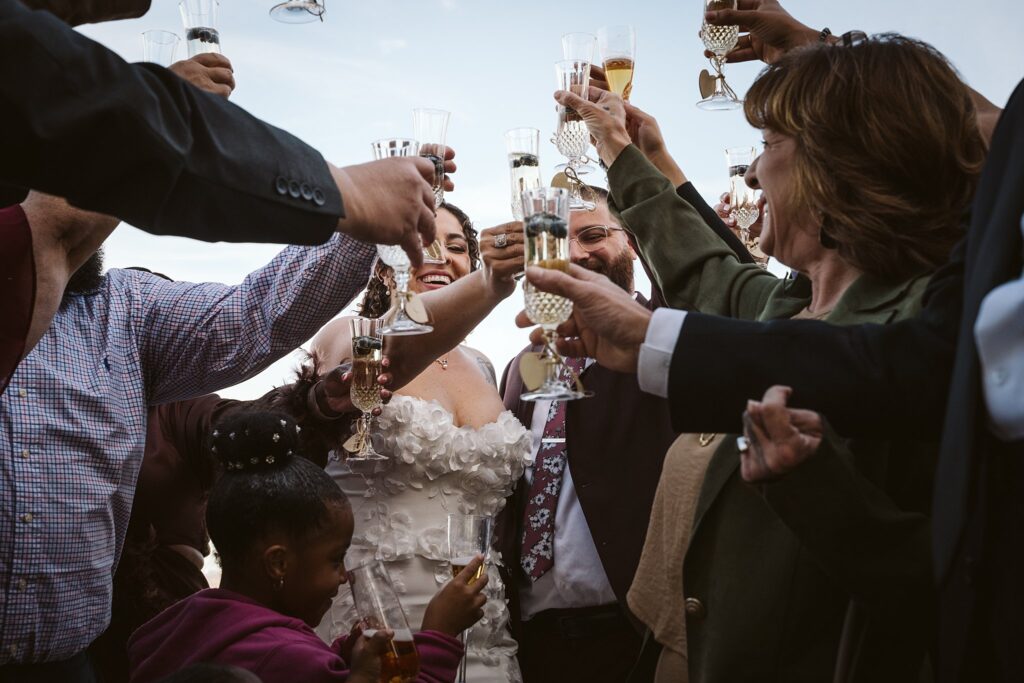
x=568 y=606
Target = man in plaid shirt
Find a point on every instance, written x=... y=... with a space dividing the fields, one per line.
x=73 y=426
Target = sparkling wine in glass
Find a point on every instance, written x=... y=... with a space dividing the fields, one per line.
x=718 y=40
x=379 y=608
x=430 y=128
x=618 y=56
x=523 y=147
x=200 y=20
x=571 y=136
x=159 y=47
x=367 y=364
x=393 y=255
x=546 y=230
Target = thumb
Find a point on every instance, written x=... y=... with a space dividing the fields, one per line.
x=467 y=574
x=377 y=644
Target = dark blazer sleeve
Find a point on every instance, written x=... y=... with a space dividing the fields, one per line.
x=689 y=193
x=869 y=380
x=137 y=142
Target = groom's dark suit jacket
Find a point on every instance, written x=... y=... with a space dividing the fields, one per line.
x=617 y=441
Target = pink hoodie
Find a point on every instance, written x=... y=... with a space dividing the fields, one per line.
x=224 y=627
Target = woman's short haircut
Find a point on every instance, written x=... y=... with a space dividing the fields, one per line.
x=888 y=151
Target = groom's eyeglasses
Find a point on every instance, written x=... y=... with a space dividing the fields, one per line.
x=592 y=238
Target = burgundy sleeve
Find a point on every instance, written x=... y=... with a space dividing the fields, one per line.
x=17 y=299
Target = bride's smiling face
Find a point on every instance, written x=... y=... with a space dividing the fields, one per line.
x=455 y=252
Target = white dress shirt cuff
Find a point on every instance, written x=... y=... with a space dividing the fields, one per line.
x=656 y=351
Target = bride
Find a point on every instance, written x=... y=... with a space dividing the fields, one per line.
x=450 y=444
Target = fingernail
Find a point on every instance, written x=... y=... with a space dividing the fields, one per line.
x=710 y=16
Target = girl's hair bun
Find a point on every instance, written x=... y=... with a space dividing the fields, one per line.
x=251 y=441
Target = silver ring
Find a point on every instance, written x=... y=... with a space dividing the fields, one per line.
x=501 y=241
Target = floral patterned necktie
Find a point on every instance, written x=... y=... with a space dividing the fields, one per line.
x=537 y=554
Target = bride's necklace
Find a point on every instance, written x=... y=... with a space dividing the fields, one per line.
x=443 y=362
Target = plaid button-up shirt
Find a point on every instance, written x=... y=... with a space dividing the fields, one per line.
x=73 y=420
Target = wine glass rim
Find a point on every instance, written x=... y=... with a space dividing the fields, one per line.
x=379 y=141
x=430 y=110
x=740 y=149
x=522 y=129
x=453 y=515
x=562 y=62
x=161 y=32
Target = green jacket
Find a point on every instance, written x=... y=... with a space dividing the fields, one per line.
x=777 y=576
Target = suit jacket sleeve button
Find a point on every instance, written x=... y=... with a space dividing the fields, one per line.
x=307 y=191
x=293 y=189
x=318 y=197
x=695 y=609
x=281 y=185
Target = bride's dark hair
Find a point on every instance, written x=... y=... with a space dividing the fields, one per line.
x=377 y=300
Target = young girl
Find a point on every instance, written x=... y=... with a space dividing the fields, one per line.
x=282 y=527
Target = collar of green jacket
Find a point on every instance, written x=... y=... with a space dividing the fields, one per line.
x=867 y=297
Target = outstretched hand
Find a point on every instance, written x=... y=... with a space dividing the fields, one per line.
x=770 y=31
x=605 y=116
x=779 y=438
x=606 y=324
x=333 y=391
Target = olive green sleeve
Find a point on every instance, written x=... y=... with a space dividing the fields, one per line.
x=694 y=268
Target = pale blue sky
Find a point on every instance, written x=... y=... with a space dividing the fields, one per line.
x=356 y=77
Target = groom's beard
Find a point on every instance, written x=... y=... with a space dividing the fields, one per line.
x=619 y=271
x=88 y=277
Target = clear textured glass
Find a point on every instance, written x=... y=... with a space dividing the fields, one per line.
x=200 y=20
x=571 y=136
x=743 y=198
x=523 y=147
x=392 y=255
x=159 y=47
x=719 y=40
x=367 y=359
x=546 y=233
x=430 y=128
x=468 y=536
x=618 y=57
x=379 y=608
x=297 y=11
x=579 y=47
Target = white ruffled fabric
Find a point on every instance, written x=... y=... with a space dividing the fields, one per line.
x=401 y=507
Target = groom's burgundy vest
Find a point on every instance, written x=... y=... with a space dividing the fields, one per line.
x=617 y=441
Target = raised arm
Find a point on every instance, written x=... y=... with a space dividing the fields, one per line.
x=137 y=142
x=198 y=338
x=455 y=311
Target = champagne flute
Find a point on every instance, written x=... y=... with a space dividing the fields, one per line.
x=618 y=57
x=367 y=359
x=547 y=246
x=430 y=128
x=393 y=255
x=572 y=137
x=468 y=536
x=200 y=19
x=719 y=40
x=159 y=47
x=743 y=198
x=523 y=146
x=378 y=608
x=578 y=47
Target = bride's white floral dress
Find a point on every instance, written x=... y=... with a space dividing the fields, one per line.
x=401 y=507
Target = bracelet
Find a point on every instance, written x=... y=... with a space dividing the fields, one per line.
x=825 y=33
x=314 y=406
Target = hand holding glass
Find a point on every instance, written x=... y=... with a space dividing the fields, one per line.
x=547 y=246
x=378 y=608
x=718 y=40
x=430 y=128
x=572 y=137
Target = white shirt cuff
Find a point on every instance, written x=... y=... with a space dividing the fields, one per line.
x=656 y=351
